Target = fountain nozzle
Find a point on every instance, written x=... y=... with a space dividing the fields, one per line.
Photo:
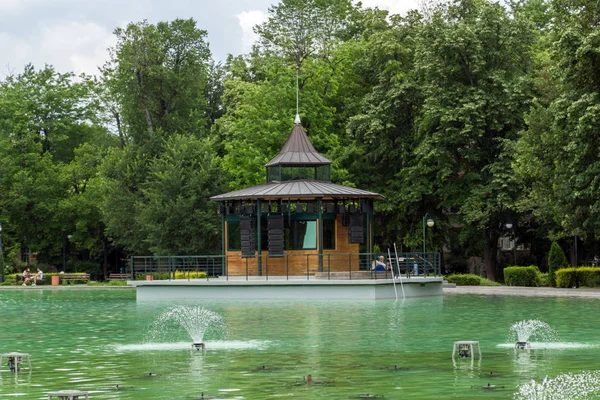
x=198 y=346
x=522 y=345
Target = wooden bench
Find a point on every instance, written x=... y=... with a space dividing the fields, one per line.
x=119 y=277
x=74 y=277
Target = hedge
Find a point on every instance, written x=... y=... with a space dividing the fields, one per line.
x=464 y=279
x=576 y=277
x=522 y=276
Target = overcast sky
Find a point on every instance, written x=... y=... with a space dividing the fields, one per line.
x=73 y=35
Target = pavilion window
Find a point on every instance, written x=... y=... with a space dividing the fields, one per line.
x=329 y=234
x=301 y=235
x=234 y=242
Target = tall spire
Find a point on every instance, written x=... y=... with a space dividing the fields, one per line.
x=297 y=120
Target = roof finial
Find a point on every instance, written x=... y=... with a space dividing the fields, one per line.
x=297 y=120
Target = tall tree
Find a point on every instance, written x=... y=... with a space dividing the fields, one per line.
x=167 y=93
x=45 y=116
x=472 y=60
x=558 y=154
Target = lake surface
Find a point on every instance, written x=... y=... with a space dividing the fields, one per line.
x=96 y=339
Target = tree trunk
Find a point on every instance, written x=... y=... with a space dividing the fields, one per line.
x=489 y=254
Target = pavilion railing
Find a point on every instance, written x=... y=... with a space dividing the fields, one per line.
x=289 y=266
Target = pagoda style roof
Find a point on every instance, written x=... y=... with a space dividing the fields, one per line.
x=298 y=150
x=297 y=189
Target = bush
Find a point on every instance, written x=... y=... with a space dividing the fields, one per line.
x=544 y=279
x=190 y=275
x=464 y=279
x=556 y=261
x=522 y=276
x=487 y=282
x=577 y=277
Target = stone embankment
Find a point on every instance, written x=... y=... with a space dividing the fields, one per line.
x=522 y=291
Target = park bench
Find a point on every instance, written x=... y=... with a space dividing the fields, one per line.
x=75 y=277
x=118 y=277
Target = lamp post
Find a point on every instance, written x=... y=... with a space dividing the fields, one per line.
x=510 y=226
x=430 y=223
x=1 y=266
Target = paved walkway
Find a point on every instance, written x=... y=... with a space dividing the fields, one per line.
x=523 y=291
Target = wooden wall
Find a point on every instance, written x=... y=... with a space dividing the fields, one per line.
x=300 y=262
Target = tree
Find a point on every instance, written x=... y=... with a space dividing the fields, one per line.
x=472 y=59
x=558 y=154
x=45 y=116
x=156 y=73
x=156 y=186
x=556 y=261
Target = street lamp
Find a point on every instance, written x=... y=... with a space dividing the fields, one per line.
x=1 y=266
x=430 y=223
x=509 y=225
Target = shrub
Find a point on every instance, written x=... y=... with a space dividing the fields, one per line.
x=522 y=276
x=556 y=261
x=576 y=277
x=544 y=279
x=190 y=275
x=464 y=279
x=487 y=282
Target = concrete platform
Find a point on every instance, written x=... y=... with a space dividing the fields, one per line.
x=286 y=288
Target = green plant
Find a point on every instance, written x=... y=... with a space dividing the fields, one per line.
x=488 y=282
x=522 y=276
x=566 y=278
x=577 y=277
x=464 y=279
x=556 y=261
x=190 y=275
x=544 y=279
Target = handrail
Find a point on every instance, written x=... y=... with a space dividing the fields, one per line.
x=291 y=265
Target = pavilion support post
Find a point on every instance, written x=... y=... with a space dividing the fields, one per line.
x=371 y=219
x=259 y=235
x=320 y=235
x=223 y=237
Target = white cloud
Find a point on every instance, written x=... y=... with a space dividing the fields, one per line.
x=247 y=20
x=74 y=46
x=393 y=6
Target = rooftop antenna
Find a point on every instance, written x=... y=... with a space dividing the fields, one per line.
x=297 y=120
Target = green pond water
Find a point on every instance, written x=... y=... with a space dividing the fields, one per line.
x=92 y=340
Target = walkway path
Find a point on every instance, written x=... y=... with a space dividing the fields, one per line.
x=523 y=291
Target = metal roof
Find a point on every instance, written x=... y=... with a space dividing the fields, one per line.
x=298 y=150
x=298 y=189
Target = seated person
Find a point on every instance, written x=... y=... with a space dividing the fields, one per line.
x=39 y=276
x=379 y=264
x=26 y=276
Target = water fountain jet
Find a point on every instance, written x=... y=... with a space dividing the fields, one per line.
x=196 y=321
x=524 y=330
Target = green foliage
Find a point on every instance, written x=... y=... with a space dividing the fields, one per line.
x=464 y=279
x=522 y=276
x=556 y=261
x=577 y=277
x=190 y=275
x=156 y=187
x=544 y=279
x=557 y=154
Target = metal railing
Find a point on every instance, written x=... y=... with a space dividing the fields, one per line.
x=289 y=266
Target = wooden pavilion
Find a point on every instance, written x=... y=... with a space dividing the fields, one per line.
x=299 y=222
